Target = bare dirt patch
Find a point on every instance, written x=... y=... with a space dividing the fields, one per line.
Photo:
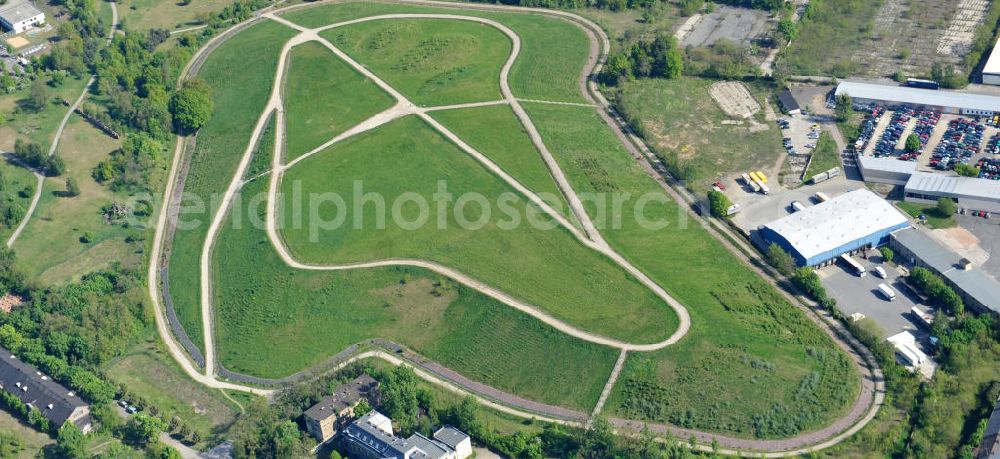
x=964 y=242
x=912 y=35
x=734 y=99
x=17 y=42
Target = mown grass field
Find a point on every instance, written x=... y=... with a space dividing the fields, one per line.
x=430 y=61
x=324 y=97
x=495 y=132
x=553 y=50
x=51 y=248
x=934 y=218
x=149 y=372
x=241 y=73
x=165 y=14
x=751 y=359
x=273 y=320
x=752 y=364
x=682 y=121
x=547 y=268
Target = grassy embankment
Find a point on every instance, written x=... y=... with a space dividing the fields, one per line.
x=150 y=372
x=548 y=66
x=496 y=132
x=316 y=86
x=170 y=15
x=547 y=268
x=241 y=72
x=752 y=364
x=430 y=61
x=280 y=320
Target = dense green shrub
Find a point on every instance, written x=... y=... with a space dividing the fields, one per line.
x=719 y=204
x=936 y=290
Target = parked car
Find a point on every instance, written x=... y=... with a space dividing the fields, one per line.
x=880 y=272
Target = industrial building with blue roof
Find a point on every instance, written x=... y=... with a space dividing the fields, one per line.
x=819 y=234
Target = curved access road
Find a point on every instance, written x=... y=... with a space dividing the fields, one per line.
x=39 y=176
x=600 y=44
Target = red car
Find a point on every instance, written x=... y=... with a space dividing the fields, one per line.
x=719 y=185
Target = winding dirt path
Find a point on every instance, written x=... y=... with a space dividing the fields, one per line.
x=405 y=107
x=600 y=45
x=39 y=176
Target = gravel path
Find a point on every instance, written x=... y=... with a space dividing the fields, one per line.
x=449 y=379
x=39 y=177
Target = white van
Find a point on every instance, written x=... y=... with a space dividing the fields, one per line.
x=879 y=272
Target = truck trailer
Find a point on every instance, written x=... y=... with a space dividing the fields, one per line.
x=887 y=292
x=858 y=269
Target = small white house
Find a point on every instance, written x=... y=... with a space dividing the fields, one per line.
x=19 y=15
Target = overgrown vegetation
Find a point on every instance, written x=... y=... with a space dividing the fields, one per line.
x=940 y=294
x=829 y=32
x=657 y=58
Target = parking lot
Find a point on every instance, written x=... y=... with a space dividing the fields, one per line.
x=758 y=209
x=946 y=139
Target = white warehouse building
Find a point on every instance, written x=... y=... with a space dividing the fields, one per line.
x=19 y=15
x=855 y=221
x=954 y=102
x=991 y=71
x=968 y=192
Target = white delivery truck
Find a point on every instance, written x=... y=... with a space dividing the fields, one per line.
x=797 y=206
x=821 y=197
x=887 y=292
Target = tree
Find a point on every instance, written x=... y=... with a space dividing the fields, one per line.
x=967 y=170
x=54 y=166
x=191 y=106
x=719 y=204
x=399 y=397
x=72 y=189
x=143 y=429
x=913 y=143
x=946 y=207
x=780 y=259
x=70 y=443
x=39 y=96
x=362 y=408
x=845 y=107
x=887 y=254
x=788 y=29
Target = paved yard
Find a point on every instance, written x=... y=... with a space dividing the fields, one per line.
x=860 y=294
x=988 y=233
x=758 y=209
